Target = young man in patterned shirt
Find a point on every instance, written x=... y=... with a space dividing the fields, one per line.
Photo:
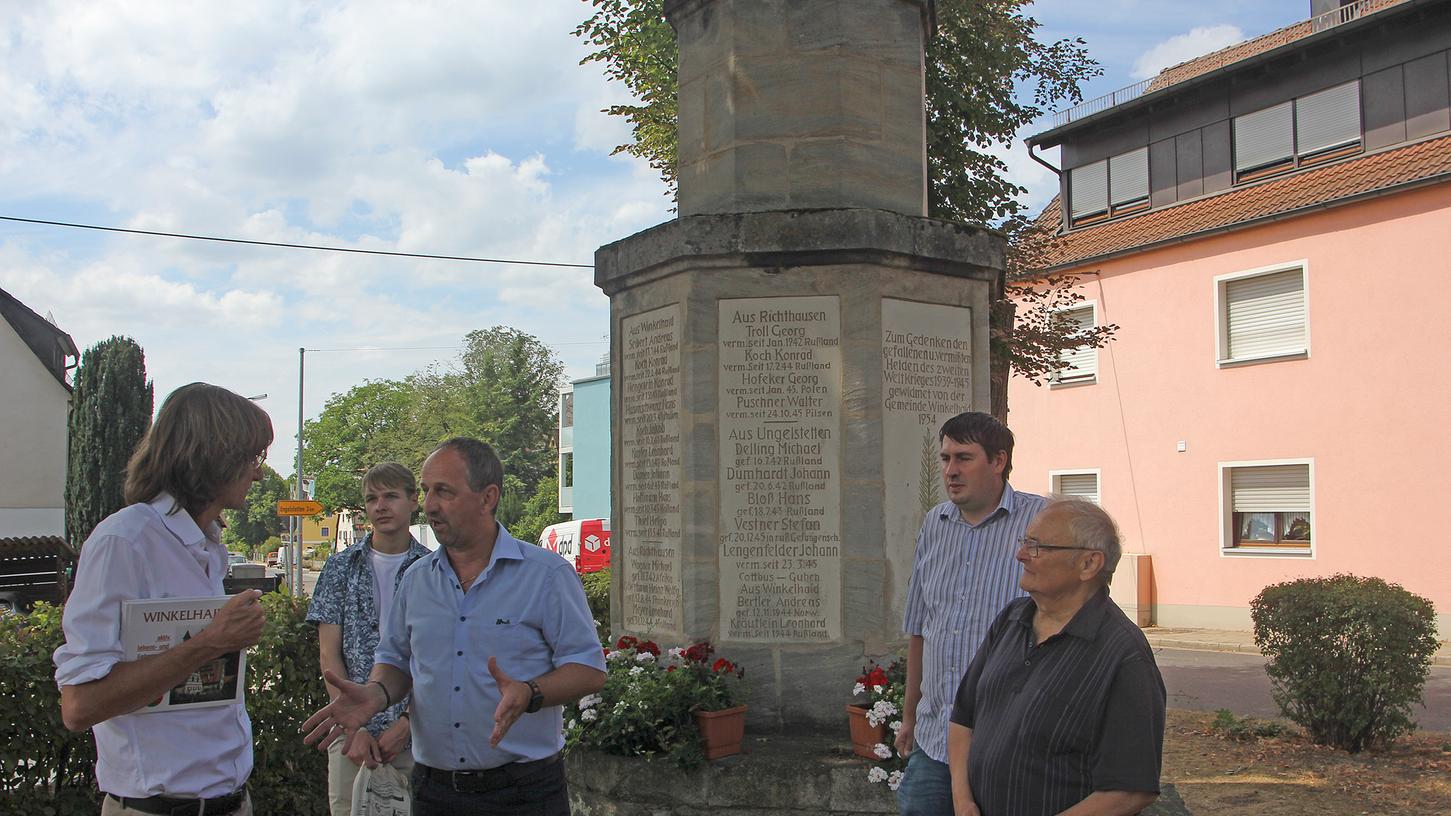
x=349 y=605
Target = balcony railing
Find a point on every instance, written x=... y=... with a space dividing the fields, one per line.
x=1323 y=22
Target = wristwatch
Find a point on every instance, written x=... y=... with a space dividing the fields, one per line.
x=536 y=698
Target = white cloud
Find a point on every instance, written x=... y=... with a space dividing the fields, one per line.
x=1184 y=47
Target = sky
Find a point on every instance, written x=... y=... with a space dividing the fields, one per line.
x=450 y=128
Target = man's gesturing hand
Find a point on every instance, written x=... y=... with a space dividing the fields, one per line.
x=513 y=699
x=355 y=704
x=237 y=625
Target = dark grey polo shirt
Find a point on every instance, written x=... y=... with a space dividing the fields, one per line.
x=1051 y=723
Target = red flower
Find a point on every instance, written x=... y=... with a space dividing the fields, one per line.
x=626 y=642
x=723 y=665
x=647 y=646
x=669 y=669
x=699 y=653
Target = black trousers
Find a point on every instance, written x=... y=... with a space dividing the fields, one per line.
x=541 y=792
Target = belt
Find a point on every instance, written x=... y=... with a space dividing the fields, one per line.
x=488 y=779
x=178 y=806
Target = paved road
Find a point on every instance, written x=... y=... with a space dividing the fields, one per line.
x=1207 y=681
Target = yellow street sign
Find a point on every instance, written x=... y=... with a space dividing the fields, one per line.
x=298 y=507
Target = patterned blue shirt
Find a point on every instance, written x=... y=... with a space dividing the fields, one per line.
x=527 y=609
x=345 y=596
x=962 y=576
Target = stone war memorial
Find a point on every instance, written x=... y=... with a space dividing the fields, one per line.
x=784 y=353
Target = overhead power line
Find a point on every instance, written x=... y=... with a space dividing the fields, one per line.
x=283 y=245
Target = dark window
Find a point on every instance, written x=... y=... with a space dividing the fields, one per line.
x=1316 y=127
x=1113 y=186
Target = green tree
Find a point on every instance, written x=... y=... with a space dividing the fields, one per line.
x=371 y=423
x=248 y=528
x=110 y=412
x=528 y=515
x=513 y=381
x=987 y=77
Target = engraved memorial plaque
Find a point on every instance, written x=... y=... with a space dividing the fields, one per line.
x=649 y=534
x=780 y=475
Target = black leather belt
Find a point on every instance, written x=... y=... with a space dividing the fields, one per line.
x=174 y=806
x=488 y=779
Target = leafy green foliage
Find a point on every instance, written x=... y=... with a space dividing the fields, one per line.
x=987 y=76
x=249 y=528
x=503 y=389
x=1244 y=729
x=110 y=412
x=537 y=512
x=34 y=747
x=1347 y=656
x=284 y=688
x=597 y=594
x=637 y=47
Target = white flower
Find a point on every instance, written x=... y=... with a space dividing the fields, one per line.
x=569 y=725
x=675 y=652
x=883 y=709
x=634 y=670
x=877 y=689
x=644 y=657
x=877 y=774
x=590 y=701
x=895 y=780
x=615 y=655
x=589 y=715
x=857 y=689
x=882 y=751
x=873 y=719
x=895 y=725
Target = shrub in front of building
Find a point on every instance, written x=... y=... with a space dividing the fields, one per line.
x=1347 y=657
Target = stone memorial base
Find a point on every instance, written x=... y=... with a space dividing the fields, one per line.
x=778 y=774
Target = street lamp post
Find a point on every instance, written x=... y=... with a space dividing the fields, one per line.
x=296 y=567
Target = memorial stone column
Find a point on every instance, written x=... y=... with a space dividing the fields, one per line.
x=785 y=351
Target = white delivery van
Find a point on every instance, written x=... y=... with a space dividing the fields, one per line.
x=584 y=543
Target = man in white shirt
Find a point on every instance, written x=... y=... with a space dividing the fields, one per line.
x=349 y=605
x=200 y=456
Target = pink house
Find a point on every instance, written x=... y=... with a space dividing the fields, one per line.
x=1270 y=227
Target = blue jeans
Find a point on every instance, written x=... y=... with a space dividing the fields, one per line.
x=926 y=788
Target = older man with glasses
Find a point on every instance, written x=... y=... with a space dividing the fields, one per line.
x=1062 y=709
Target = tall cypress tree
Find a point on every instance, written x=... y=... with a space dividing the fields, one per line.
x=110 y=412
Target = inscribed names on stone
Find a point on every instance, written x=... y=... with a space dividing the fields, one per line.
x=780 y=475
x=650 y=445
x=926 y=380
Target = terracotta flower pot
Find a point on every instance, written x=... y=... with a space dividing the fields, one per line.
x=864 y=735
x=722 y=731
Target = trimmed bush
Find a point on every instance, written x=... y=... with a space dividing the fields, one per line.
x=597 y=593
x=1347 y=656
x=284 y=688
x=45 y=769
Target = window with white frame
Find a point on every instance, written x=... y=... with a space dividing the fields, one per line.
x=1281 y=137
x=1080 y=364
x=1268 y=505
x=1112 y=186
x=1080 y=484
x=1262 y=314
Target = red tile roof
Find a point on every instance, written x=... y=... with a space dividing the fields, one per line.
x=1419 y=162
x=1198 y=66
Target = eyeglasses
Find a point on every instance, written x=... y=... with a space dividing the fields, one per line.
x=259 y=459
x=1035 y=547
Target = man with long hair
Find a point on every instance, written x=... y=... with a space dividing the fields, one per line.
x=199 y=458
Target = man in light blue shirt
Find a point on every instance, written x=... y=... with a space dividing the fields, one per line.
x=964 y=572
x=485 y=625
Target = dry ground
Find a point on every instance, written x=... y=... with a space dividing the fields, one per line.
x=1288 y=776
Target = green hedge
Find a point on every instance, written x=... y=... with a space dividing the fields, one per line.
x=45 y=769
x=597 y=593
x=1347 y=656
